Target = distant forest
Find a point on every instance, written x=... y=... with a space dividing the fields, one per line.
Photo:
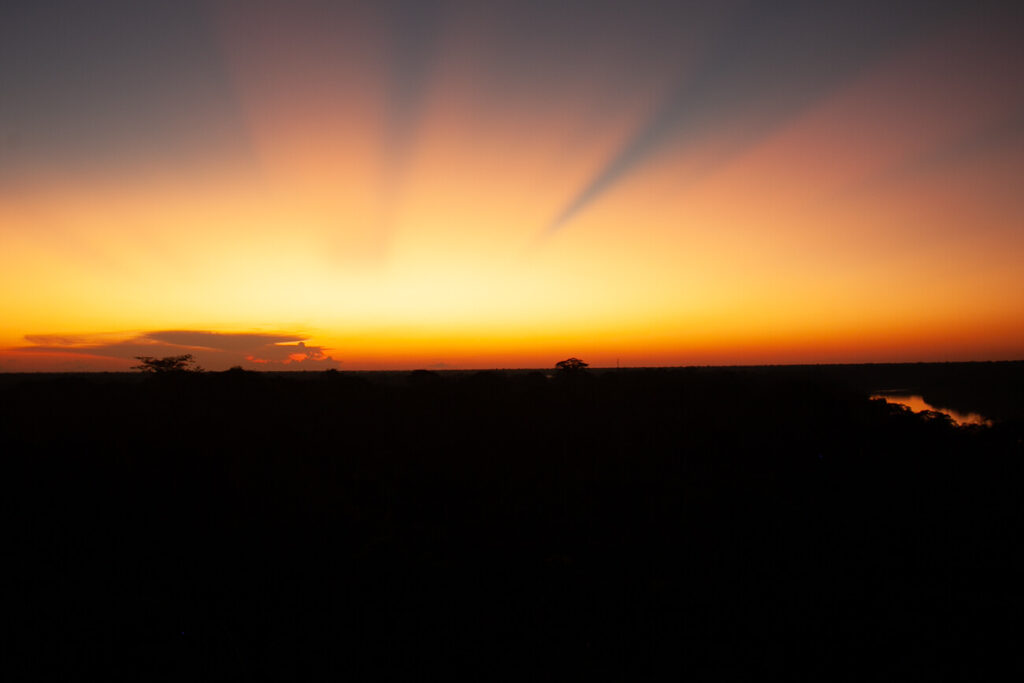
x=579 y=523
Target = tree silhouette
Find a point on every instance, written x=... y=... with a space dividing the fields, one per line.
x=571 y=365
x=167 y=364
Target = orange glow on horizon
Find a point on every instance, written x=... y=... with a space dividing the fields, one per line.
x=878 y=222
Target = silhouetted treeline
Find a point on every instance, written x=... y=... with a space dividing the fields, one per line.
x=713 y=523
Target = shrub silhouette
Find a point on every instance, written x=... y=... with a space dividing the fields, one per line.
x=167 y=364
x=572 y=365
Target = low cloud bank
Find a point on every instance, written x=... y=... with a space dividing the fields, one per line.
x=212 y=350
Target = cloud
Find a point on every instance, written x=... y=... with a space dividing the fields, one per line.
x=212 y=350
x=222 y=341
x=68 y=340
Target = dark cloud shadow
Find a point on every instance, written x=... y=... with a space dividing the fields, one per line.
x=414 y=31
x=769 y=62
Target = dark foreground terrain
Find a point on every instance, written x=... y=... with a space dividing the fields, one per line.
x=690 y=524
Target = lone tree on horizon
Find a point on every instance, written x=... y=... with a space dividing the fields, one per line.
x=571 y=365
x=167 y=364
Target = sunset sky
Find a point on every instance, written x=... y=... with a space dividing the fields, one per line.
x=372 y=185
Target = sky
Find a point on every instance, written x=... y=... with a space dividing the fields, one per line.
x=428 y=184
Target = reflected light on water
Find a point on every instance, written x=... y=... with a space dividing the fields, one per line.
x=917 y=403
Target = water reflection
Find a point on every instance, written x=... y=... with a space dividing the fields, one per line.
x=917 y=403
